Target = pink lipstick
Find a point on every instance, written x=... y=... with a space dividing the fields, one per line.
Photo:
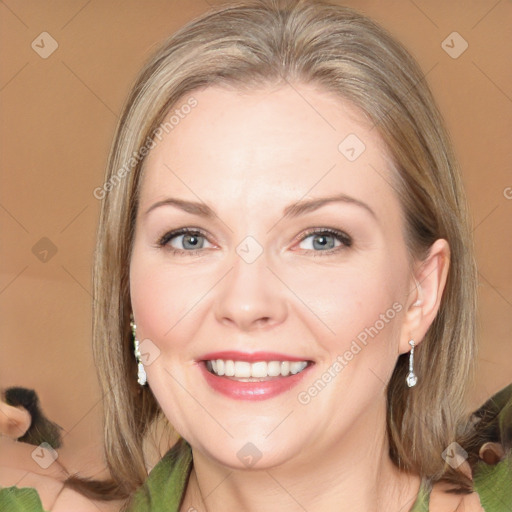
x=252 y=376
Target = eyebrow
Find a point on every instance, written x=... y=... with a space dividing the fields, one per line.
x=192 y=207
x=301 y=207
x=292 y=210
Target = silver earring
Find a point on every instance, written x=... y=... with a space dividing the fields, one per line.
x=411 y=378
x=141 y=373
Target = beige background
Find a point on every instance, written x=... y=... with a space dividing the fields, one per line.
x=58 y=117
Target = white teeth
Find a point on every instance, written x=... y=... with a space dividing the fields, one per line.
x=273 y=368
x=260 y=369
x=296 y=367
x=242 y=369
x=229 y=368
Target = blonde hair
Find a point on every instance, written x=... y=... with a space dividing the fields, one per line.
x=253 y=44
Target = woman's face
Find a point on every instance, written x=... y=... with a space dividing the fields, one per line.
x=253 y=280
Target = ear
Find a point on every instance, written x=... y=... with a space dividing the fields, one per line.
x=426 y=289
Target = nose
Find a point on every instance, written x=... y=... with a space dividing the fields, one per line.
x=250 y=297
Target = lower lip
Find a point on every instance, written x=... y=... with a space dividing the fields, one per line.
x=238 y=390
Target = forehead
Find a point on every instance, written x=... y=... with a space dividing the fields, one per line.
x=266 y=146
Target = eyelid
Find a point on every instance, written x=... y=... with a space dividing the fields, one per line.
x=345 y=239
x=163 y=241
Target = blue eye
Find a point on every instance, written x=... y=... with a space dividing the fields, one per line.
x=192 y=240
x=324 y=240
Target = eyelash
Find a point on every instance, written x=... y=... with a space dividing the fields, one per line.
x=164 y=240
x=344 y=238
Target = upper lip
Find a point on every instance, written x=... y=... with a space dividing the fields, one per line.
x=251 y=357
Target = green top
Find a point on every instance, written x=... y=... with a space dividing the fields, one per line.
x=165 y=486
x=492 y=483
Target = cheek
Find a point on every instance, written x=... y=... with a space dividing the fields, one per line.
x=148 y=306
x=351 y=300
x=155 y=297
x=362 y=307
x=367 y=309
x=167 y=301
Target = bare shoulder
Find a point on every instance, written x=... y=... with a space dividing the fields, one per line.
x=54 y=496
x=47 y=487
x=72 y=500
x=28 y=458
x=443 y=501
x=18 y=468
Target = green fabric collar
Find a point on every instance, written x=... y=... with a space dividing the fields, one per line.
x=165 y=487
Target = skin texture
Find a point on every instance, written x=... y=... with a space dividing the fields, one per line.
x=14 y=421
x=248 y=156
x=19 y=469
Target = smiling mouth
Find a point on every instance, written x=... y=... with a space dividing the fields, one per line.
x=258 y=371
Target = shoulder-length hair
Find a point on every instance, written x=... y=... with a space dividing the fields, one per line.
x=253 y=44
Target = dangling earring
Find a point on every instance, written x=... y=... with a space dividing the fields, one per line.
x=411 y=378
x=141 y=372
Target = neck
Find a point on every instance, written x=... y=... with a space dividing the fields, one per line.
x=353 y=474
